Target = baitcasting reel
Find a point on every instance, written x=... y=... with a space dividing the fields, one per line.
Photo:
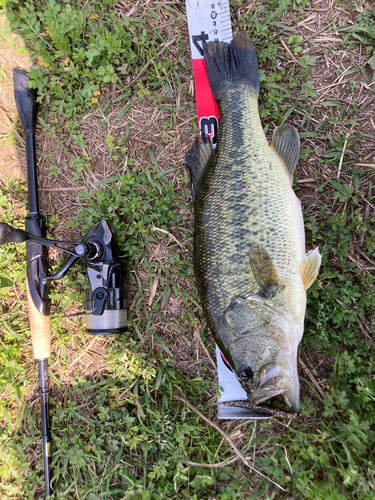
x=105 y=300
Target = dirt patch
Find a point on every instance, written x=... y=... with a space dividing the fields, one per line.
x=12 y=55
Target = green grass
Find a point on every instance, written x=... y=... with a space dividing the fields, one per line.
x=121 y=433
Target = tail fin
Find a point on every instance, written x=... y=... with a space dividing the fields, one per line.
x=235 y=62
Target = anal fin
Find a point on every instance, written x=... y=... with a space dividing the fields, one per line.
x=310 y=267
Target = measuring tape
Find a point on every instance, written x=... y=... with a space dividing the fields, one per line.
x=208 y=20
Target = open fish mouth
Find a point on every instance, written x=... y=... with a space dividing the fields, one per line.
x=275 y=380
x=272 y=387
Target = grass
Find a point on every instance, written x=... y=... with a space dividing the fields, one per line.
x=115 y=121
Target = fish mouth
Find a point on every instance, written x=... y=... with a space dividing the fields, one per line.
x=291 y=395
x=274 y=381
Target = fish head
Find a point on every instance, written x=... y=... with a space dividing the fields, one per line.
x=263 y=350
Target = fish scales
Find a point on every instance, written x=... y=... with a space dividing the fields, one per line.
x=249 y=244
x=252 y=202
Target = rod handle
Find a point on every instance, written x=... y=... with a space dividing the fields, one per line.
x=25 y=100
x=40 y=327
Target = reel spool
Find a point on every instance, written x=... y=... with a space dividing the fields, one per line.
x=111 y=301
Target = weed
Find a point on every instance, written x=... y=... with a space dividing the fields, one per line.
x=9 y=138
x=78 y=165
x=54 y=170
x=130 y=216
x=78 y=50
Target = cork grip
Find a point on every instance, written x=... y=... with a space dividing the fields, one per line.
x=40 y=330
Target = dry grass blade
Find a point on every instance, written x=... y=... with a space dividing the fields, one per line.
x=227 y=438
x=316 y=34
x=288 y=50
x=198 y=335
x=153 y=291
x=51 y=190
x=304 y=181
x=75 y=360
x=212 y=466
x=364 y=199
x=367 y=215
x=169 y=234
x=11 y=126
x=312 y=378
x=139 y=406
x=342 y=158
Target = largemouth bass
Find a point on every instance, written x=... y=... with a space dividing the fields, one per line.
x=250 y=264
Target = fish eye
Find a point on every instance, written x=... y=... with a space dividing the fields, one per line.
x=246 y=373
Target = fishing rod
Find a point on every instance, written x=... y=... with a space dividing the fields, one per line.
x=105 y=299
x=37 y=263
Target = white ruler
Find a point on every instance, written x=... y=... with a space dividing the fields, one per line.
x=209 y=21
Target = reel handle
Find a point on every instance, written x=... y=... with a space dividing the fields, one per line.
x=90 y=250
x=9 y=234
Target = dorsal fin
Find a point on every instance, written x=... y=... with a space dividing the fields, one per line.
x=285 y=141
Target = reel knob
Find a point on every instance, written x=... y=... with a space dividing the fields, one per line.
x=9 y=234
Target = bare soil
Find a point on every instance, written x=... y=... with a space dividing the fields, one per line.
x=11 y=56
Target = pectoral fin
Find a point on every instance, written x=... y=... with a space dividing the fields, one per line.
x=285 y=141
x=310 y=267
x=198 y=158
x=264 y=272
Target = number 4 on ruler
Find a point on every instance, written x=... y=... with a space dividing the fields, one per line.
x=200 y=38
